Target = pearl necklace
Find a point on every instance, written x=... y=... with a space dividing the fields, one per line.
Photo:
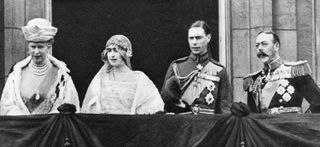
x=39 y=70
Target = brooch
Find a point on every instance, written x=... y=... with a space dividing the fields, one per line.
x=37 y=95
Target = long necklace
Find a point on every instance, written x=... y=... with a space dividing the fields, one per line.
x=40 y=70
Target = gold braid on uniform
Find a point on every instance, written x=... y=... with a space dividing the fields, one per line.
x=299 y=68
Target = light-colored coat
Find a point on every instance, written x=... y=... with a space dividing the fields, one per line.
x=12 y=103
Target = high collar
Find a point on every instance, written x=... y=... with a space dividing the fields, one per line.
x=273 y=65
x=199 y=58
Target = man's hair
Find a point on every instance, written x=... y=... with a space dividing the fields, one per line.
x=275 y=36
x=203 y=25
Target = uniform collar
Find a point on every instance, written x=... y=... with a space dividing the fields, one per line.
x=273 y=65
x=199 y=58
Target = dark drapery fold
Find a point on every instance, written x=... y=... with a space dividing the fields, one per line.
x=38 y=130
x=156 y=130
x=234 y=131
x=96 y=130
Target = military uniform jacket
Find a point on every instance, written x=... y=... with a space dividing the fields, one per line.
x=196 y=80
x=281 y=87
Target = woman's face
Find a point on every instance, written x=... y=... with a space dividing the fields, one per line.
x=114 y=56
x=38 y=51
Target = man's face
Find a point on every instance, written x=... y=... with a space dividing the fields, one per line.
x=267 y=51
x=198 y=40
x=38 y=51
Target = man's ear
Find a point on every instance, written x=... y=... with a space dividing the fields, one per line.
x=277 y=45
x=209 y=37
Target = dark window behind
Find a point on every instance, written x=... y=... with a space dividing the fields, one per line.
x=157 y=29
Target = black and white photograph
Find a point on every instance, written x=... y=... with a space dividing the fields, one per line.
x=159 y=73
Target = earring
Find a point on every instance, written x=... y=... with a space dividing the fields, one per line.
x=129 y=53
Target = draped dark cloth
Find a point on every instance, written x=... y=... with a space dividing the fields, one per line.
x=89 y=130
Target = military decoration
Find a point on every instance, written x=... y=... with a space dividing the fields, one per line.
x=199 y=67
x=209 y=97
x=286 y=97
x=211 y=87
x=284 y=82
x=290 y=89
x=281 y=90
x=285 y=90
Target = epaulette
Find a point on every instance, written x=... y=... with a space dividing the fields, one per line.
x=299 y=68
x=251 y=74
x=248 y=80
x=215 y=62
x=180 y=59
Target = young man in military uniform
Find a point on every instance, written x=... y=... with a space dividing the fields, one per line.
x=197 y=81
x=280 y=86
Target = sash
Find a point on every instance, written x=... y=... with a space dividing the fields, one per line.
x=195 y=82
x=42 y=101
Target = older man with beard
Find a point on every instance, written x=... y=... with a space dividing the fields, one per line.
x=279 y=87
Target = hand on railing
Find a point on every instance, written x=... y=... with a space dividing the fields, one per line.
x=67 y=108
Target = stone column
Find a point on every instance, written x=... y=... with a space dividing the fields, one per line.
x=248 y=17
x=295 y=21
x=297 y=24
x=17 y=13
x=316 y=7
x=1 y=45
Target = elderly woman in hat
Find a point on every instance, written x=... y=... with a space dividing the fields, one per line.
x=116 y=89
x=39 y=83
